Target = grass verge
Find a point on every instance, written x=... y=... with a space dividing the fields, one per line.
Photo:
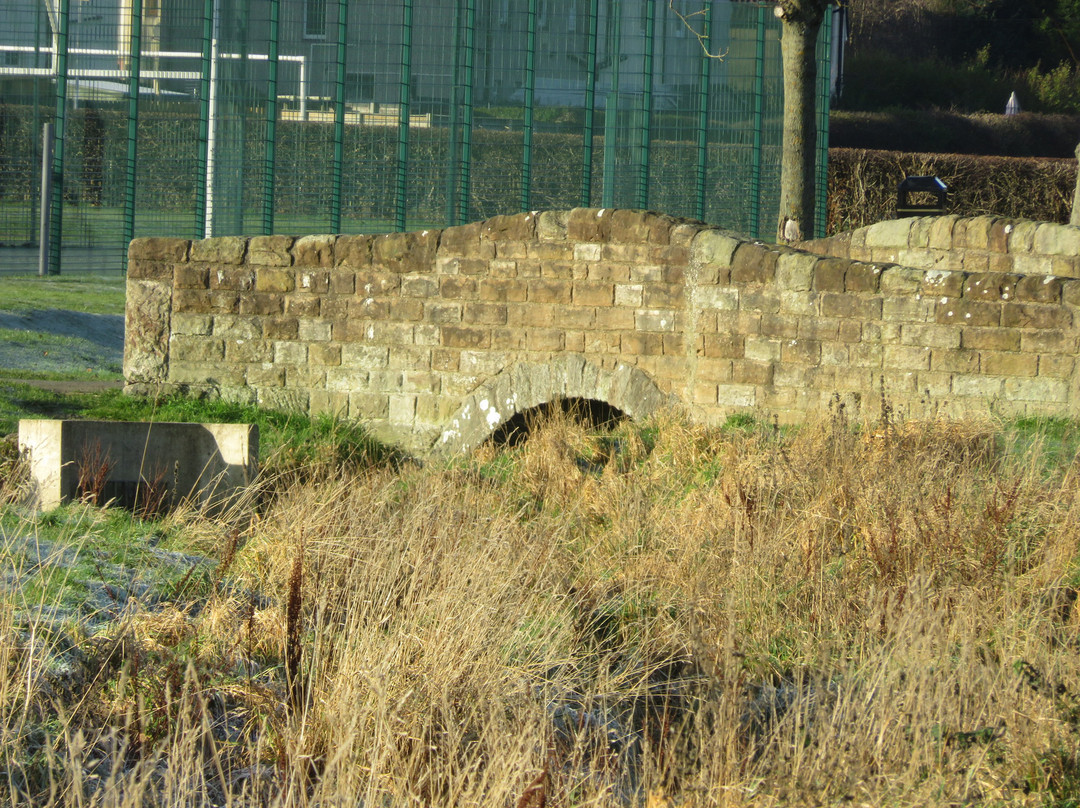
x=658 y=615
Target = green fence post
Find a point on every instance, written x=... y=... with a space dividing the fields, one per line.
x=590 y=105
x=467 y=110
x=134 y=60
x=401 y=203
x=207 y=67
x=646 y=106
x=824 y=99
x=530 y=93
x=339 y=120
x=759 y=100
x=56 y=204
x=705 y=82
x=270 y=161
x=611 y=107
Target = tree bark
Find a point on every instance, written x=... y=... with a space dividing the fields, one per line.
x=1074 y=218
x=798 y=40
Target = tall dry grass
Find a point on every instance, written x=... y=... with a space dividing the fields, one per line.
x=669 y=615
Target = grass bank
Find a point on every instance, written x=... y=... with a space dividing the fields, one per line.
x=660 y=615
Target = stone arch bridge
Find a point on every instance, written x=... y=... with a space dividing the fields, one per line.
x=435 y=338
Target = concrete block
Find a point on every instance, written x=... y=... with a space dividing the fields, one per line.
x=207 y=465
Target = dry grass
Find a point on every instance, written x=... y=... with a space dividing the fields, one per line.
x=663 y=616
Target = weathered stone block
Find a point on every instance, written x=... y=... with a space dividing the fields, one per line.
x=1057 y=239
x=829 y=274
x=1030 y=315
x=940 y=283
x=187 y=276
x=405 y=252
x=753 y=264
x=549 y=291
x=158 y=250
x=967 y=312
x=519 y=227
x=890 y=233
x=849 y=305
x=270 y=251
x=228 y=250
x=994 y=339
x=456 y=287
x=465 y=337
x=713 y=247
x=234 y=279
x=1035 y=289
x=996 y=363
x=314 y=251
x=1042 y=388
x=260 y=304
x=268 y=279
x=991 y=286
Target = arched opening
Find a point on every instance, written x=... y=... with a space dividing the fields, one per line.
x=592 y=414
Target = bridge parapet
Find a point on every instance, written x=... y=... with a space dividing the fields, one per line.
x=415 y=332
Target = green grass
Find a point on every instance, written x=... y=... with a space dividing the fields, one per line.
x=88 y=293
x=295 y=441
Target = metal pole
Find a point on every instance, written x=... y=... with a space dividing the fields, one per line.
x=56 y=201
x=339 y=120
x=611 y=109
x=134 y=57
x=452 y=146
x=46 y=193
x=530 y=91
x=590 y=106
x=401 y=203
x=467 y=110
x=824 y=99
x=646 y=106
x=271 y=122
x=208 y=88
x=703 y=119
x=759 y=96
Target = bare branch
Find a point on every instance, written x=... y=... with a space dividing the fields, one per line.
x=702 y=38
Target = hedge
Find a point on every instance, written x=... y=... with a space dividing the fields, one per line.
x=863 y=183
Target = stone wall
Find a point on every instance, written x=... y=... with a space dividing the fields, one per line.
x=979 y=244
x=436 y=337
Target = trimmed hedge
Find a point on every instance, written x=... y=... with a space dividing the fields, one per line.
x=862 y=185
x=940 y=132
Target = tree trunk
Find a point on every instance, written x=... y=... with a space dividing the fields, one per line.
x=1075 y=217
x=798 y=166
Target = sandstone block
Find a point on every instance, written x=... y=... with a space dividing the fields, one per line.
x=269 y=279
x=158 y=250
x=991 y=286
x=890 y=233
x=314 y=251
x=353 y=251
x=1030 y=315
x=967 y=312
x=994 y=339
x=270 y=251
x=1035 y=289
x=405 y=252
x=996 y=363
x=795 y=271
x=227 y=250
x=516 y=227
x=713 y=247
x=550 y=291
x=754 y=264
x=1057 y=239
x=465 y=337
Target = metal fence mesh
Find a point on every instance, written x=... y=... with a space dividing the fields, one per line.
x=215 y=117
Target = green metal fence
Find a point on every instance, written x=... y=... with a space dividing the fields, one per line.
x=214 y=117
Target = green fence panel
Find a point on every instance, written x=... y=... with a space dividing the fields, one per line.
x=199 y=118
